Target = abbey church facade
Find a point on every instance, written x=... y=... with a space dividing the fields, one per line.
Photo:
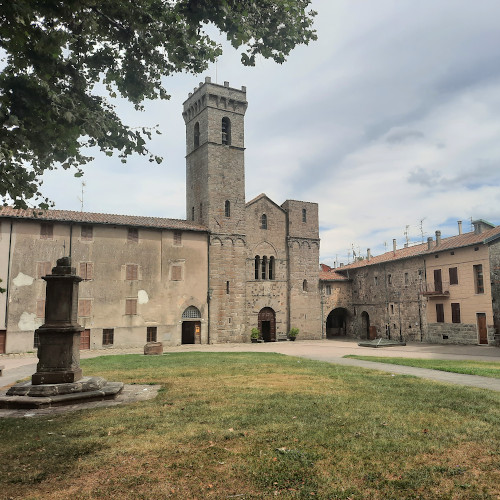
x=231 y=266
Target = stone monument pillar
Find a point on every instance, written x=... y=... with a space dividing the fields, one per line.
x=59 y=348
x=58 y=379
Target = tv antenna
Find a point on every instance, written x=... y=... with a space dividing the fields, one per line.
x=81 y=199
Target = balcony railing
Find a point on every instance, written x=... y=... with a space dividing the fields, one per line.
x=436 y=289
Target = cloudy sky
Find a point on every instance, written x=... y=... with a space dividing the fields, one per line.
x=390 y=121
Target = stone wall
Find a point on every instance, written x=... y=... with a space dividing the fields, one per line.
x=455 y=333
x=494 y=253
x=390 y=294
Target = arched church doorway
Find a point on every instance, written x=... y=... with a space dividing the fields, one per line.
x=336 y=322
x=191 y=326
x=267 y=324
x=365 y=325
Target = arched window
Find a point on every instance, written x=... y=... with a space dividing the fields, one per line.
x=304 y=215
x=304 y=285
x=257 y=266
x=263 y=221
x=271 y=268
x=264 y=268
x=196 y=135
x=191 y=312
x=226 y=131
x=227 y=208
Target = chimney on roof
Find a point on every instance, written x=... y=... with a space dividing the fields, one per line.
x=429 y=242
x=226 y=84
x=459 y=227
x=341 y=264
x=368 y=254
x=438 y=238
x=394 y=246
x=208 y=79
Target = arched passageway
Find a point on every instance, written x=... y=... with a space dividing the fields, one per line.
x=336 y=322
x=365 y=325
x=267 y=324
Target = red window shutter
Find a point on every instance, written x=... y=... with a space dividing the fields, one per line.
x=40 y=308
x=130 y=306
x=132 y=271
x=176 y=273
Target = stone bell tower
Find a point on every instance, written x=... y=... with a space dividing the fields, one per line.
x=215 y=197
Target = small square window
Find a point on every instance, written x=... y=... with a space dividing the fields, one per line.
x=108 y=336
x=43 y=269
x=133 y=234
x=86 y=270
x=40 y=308
x=84 y=308
x=87 y=233
x=151 y=334
x=176 y=273
x=46 y=231
x=130 y=307
x=177 y=238
x=132 y=272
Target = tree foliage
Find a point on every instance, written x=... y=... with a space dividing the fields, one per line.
x=60 y=54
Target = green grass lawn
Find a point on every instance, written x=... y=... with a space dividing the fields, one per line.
x=258 y=425
x=483 y=368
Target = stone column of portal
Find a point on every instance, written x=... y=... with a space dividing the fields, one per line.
x=59 y=347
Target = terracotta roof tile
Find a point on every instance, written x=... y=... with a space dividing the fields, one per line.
x=332 y=276
x=458 y=241
x=96 y=218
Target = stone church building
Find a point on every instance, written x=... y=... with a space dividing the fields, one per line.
x=231 y=266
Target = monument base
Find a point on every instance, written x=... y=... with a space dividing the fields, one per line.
x=65 y=377
x=26 y=395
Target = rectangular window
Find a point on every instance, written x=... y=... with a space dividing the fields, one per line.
x=84 y=308
x=389 y=279
x=130 y=307
x=87 y=270
x=46 y=231
x=133 y=234
x=176 y=273
x=407 y=279
x=478 y=278
x=87 y=233
x=439 y=313
x=227 y=287
x=43 y=268
x=132 y=272
x=375 y=279
x=455 y=313
x=304 y=215
x=40 y=308
x=151 y=334
x=36 y=340
x=392 y=308
x=453 y=275
x=328 y=289
x=177 y=238
x=108 y=336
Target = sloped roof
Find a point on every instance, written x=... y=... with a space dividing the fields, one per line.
x=450 y=243
x=263 y=196
x=97 y=218
x=332 y=275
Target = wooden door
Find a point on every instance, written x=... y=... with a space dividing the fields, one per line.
x=188 y=332
x=438 y=281
x=197 y=332
x=481 y=328
x=85 y=340
x=267 y=324
x=3 y=337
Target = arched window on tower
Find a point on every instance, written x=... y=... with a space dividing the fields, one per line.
x=264 y=268
x=263 y=221
x=257 y=266
x=304 y=215
x=304 y=285
x=227 y=208
x=271 y=268
x=226 y=131
x=196 y=135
